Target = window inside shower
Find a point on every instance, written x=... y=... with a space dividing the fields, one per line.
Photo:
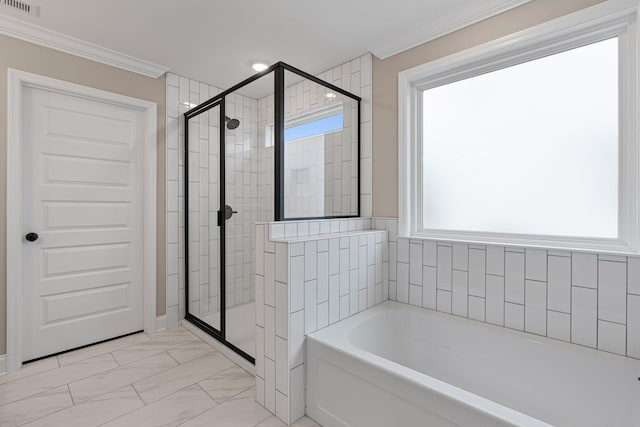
x=281 y=145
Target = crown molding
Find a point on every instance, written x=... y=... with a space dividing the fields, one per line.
x=44 y=37
x=471 y=13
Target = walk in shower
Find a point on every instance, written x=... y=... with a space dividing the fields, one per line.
x=281 y=145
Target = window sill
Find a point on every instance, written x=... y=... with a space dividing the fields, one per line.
x=598 y=246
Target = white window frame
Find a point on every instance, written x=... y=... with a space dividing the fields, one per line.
x=613 y=18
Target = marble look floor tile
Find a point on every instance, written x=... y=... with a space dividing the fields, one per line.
x=179 y=333
x=190 y=351
x=102 y=348
x=38 y=383
x=94 y=412
x=272 y=421
x=35 y=407
x=245 y=412
x=173 y=410
x=31 y=369
x=95 y=385
x=227 y=384
x=172 y=380
x=160 y=342
x=305 y=422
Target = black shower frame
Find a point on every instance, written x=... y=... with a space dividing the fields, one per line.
x=278 y=69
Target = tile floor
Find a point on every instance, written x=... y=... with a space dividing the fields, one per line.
x=170 y=378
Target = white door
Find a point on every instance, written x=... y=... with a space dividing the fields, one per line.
x=82 y=185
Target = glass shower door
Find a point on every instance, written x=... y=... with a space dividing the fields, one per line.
x=241 y=156
x=202 y=160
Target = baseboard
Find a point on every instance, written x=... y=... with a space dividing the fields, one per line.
x=161 y=323
x=3 y=364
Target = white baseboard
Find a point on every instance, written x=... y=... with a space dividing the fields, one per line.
x=161 y=323
x=3 y=364
x=236 y=358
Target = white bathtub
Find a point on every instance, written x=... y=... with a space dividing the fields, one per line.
x=399 y=366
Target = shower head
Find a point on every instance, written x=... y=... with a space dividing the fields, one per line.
x=231 y=123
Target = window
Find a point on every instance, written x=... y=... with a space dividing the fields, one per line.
x=528 y=143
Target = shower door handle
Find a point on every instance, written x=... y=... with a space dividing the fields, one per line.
x=226 y=214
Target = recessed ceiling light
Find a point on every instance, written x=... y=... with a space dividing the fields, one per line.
x=330 y=95
x=259 y=66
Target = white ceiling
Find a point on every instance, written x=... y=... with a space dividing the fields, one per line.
x=216 y=41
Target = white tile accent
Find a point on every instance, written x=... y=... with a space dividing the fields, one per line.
x=584 y=270
x=559 y=284
x=270 y=385
x=444 y=301
x=612 y=291
x=415 y=295
x=415 y=263
x=429 y=287
x=634 y=275
x=514 y=277
x=477 y=274
x=444 y=267
x=495 y=300
x=584 y=316
x=536 y=307
x=430 y=253
x=460 y=256
x=536 y=264
x=282 y=368
x=495 y=260
x=559 y=325
x=282 y=310
x=476 y=308
x=460 y=293
x=612 y=337
x=514 y=316
x=633 y=326
x=403 y=282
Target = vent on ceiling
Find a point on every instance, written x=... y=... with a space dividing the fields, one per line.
x=21 y=6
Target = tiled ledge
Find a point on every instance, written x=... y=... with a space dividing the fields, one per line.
x=341 y=235
x=291 y=229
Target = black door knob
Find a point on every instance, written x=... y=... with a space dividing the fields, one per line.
x=228 y=212
x=31 y=237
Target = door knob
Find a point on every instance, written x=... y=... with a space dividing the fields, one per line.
x=228 y=212
x=31 y=237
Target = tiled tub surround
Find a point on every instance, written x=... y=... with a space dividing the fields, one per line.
x=415 y=367
x=583 y=298
x=309 y=275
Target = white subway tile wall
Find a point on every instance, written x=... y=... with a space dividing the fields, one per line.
x=320 y=278
x=587 y=299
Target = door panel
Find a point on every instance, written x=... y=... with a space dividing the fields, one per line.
x=83 y=181
x=203 y=174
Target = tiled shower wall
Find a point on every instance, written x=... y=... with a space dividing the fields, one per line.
x=340 y=152
x=242 y=176
x=583 y=298
x=309 y=275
